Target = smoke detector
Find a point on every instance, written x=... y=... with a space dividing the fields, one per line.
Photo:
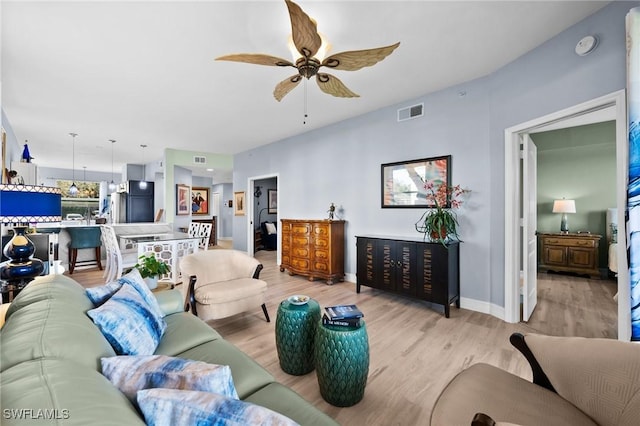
x=586 y=45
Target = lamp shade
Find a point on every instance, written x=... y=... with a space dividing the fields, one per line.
x=30 y=203
x=564 y=206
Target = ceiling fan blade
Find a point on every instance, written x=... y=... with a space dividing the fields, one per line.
x=285 y=86
x=304 y=31
x=332 y=85
x=355 y=59
x=256 y=58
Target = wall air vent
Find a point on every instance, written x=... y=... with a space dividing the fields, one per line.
x=413 y=111
x=199 y=160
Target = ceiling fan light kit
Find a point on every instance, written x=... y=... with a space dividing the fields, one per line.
x=311 y=48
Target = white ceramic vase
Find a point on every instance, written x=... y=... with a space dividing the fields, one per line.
x=57 y=268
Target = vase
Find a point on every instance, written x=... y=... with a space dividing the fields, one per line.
x=21 y=266
x=57 y=268
x=152 y=282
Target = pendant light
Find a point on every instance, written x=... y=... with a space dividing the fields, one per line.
x=73 y=189
x=112 y=184
x=143 y=182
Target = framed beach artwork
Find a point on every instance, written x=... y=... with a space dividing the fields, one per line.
x=200 y=201
x=183 y=202
x=238 y=203
x=403 y=181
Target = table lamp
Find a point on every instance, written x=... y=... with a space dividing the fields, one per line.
x=564 y=206
x=21 y=205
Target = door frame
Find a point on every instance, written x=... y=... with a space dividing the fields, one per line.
x=513 y=244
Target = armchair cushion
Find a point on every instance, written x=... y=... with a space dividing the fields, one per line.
x=503 y=396
x=238 y=289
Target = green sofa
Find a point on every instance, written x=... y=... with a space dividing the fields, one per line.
x=50 y=354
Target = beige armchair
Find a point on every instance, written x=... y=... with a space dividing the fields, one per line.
x=222 y=283
x=576 y=381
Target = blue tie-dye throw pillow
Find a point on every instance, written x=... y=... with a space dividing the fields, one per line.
x=100 y=294
x=169 y=407
x=128 y=323
x=133 y=373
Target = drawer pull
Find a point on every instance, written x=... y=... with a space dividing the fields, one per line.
x=552 y=241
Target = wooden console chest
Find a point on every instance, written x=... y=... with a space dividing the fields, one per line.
x=410 y=267
x=569 y=253
x=313 y=248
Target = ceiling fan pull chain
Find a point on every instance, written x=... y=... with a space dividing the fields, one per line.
x=305 y=103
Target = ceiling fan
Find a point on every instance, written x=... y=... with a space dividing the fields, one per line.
x=308 y=42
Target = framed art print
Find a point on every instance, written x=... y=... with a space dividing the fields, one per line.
x=199 y=201
x=182 y=200
x=403 y=182
x=272 y=201
x=238 y=203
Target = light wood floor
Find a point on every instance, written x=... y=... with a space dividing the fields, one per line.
x=414 y=349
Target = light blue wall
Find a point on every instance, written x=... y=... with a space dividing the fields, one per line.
x=341 y=163
x=225 y=225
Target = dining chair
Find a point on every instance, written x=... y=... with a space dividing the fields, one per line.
x=194 y=229
x=83 y=237
x=117 y=262
x=204 y=234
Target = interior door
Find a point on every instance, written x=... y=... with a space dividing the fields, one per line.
x=529 y=221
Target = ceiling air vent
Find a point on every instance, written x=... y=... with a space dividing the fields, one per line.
x=199 y=160
x=408 y=113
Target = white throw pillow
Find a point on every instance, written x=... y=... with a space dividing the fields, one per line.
x=271 y=228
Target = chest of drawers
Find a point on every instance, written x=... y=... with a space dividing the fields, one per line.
x=569 y=253
x=313 y=248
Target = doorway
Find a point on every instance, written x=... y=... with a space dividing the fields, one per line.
x=516 y=246
x=263 y=199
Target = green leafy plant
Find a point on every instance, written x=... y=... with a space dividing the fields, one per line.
x=150 y=266
x=439 y=222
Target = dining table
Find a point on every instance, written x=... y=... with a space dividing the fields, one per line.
x=167 y=247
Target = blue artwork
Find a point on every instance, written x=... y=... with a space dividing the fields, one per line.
x=633 y=190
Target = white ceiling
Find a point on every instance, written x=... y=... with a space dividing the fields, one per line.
x=144 y=72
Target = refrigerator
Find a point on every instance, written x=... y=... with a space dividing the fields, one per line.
x=133 y=204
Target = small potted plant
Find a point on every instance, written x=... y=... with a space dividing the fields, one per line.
x=151 y=268
x=439 y=222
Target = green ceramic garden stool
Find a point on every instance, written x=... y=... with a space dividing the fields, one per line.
x=342 y=363
x=295 y=333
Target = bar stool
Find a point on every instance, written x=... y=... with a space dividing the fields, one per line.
x=83 y=237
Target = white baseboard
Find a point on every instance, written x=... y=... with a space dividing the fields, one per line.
x=483 y=307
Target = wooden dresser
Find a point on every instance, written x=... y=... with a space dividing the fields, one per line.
x=313 y=248
x=569 y=253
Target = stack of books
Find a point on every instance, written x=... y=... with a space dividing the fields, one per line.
x=342 y=316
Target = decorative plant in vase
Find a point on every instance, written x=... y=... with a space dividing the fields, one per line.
x=439 y=222
x=150 y=269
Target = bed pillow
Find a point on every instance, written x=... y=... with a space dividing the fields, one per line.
x=128 y=323
x=168 y=407
x=133 y=373
x=271 y=228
